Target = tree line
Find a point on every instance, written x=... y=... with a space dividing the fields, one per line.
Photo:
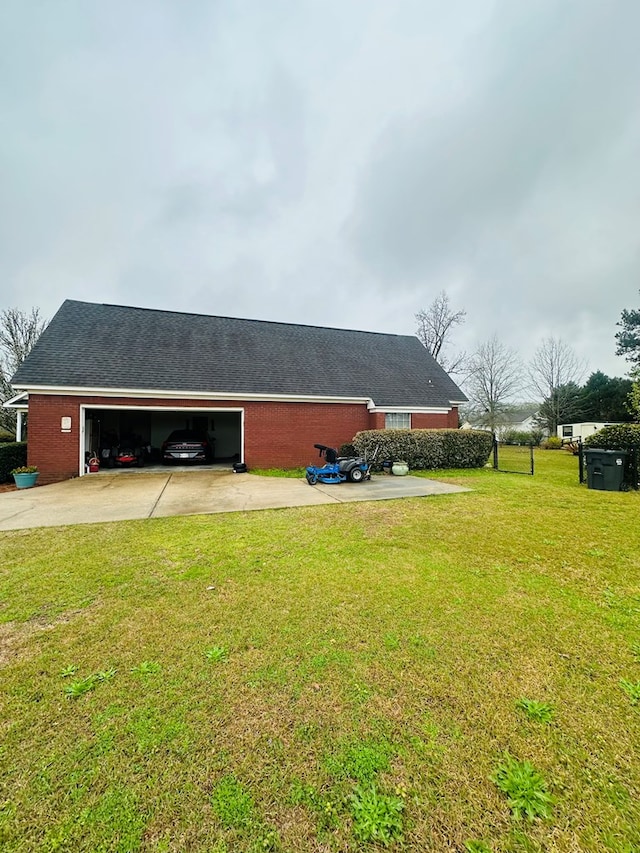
x=494 y=376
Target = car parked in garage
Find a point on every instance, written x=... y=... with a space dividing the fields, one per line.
x=187 y=445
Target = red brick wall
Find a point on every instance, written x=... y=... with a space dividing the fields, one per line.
x=55 y=453
x=448 y=421
x=283 y=434
x=276 y=434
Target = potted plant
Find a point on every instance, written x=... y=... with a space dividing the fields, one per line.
x=25 y=477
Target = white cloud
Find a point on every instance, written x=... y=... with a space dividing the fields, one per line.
x=331 y=163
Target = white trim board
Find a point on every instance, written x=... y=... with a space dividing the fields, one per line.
x=146 y=393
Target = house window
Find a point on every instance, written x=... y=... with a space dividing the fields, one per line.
x=397 y=420
x=567 y=431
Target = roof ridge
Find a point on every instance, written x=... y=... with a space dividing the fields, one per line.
x=237 y=319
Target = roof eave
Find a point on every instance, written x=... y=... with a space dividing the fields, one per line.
x=178 y=394
x=19 y=402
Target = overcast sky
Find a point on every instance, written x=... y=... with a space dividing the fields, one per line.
x=333 y=162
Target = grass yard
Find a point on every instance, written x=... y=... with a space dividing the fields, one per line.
x=457 y=673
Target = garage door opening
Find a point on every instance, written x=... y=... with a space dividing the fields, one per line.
x=107 y=431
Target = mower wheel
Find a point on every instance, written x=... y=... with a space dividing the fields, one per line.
x=312 y=479
x=356 y=475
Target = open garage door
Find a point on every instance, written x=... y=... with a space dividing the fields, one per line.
x=106 y=428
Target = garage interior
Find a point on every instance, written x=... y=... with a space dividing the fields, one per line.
x=105 y=427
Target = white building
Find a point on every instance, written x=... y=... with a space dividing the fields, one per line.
x=578 y=432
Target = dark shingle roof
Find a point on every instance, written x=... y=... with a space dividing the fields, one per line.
x=87 y=345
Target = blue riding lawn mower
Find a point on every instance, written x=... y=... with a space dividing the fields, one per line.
x=338 y=469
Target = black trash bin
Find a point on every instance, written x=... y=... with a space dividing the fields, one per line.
x=606 y=469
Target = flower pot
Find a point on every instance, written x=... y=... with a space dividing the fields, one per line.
x=400 y=469
x=25 y=481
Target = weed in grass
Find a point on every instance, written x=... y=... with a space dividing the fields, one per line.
x=359 y=694
x=635 y=651
x=361 y=760
x=391 y=642
x=79 y=688
x=217 y=654
x=105 y=675
x=632 y=690
x=147 y=667
x=68 y=671
x=376 y=817
x=85 y=685
x=476 y=847
x=541 y=712
x=301 y=794
x=267 y=840
x=326 y=807
x=525 y=788
x=232 y=804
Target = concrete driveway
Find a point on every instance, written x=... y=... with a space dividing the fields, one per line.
x=118 y=497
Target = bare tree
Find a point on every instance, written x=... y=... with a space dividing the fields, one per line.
x=494 y=379
x=554 y=372
x=19 y=330
x=435 y=326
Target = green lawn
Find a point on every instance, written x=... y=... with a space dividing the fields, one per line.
x=331 y=678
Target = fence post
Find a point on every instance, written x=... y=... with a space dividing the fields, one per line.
x=495 y=452
x=531 y=452
x=580 y=461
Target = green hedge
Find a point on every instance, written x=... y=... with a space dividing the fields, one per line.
x=615 y=437
x=7 y=436
x=516 y=436
x=426 y=448
x=552 y=443
x=12 y=456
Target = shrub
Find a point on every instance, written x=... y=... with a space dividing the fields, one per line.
x=7 y=437
x=615 y=437
x=516 y=436
x=25 y=469
x=12 y=456
x=347 y=450
x=552 y=443
x=426 y=448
